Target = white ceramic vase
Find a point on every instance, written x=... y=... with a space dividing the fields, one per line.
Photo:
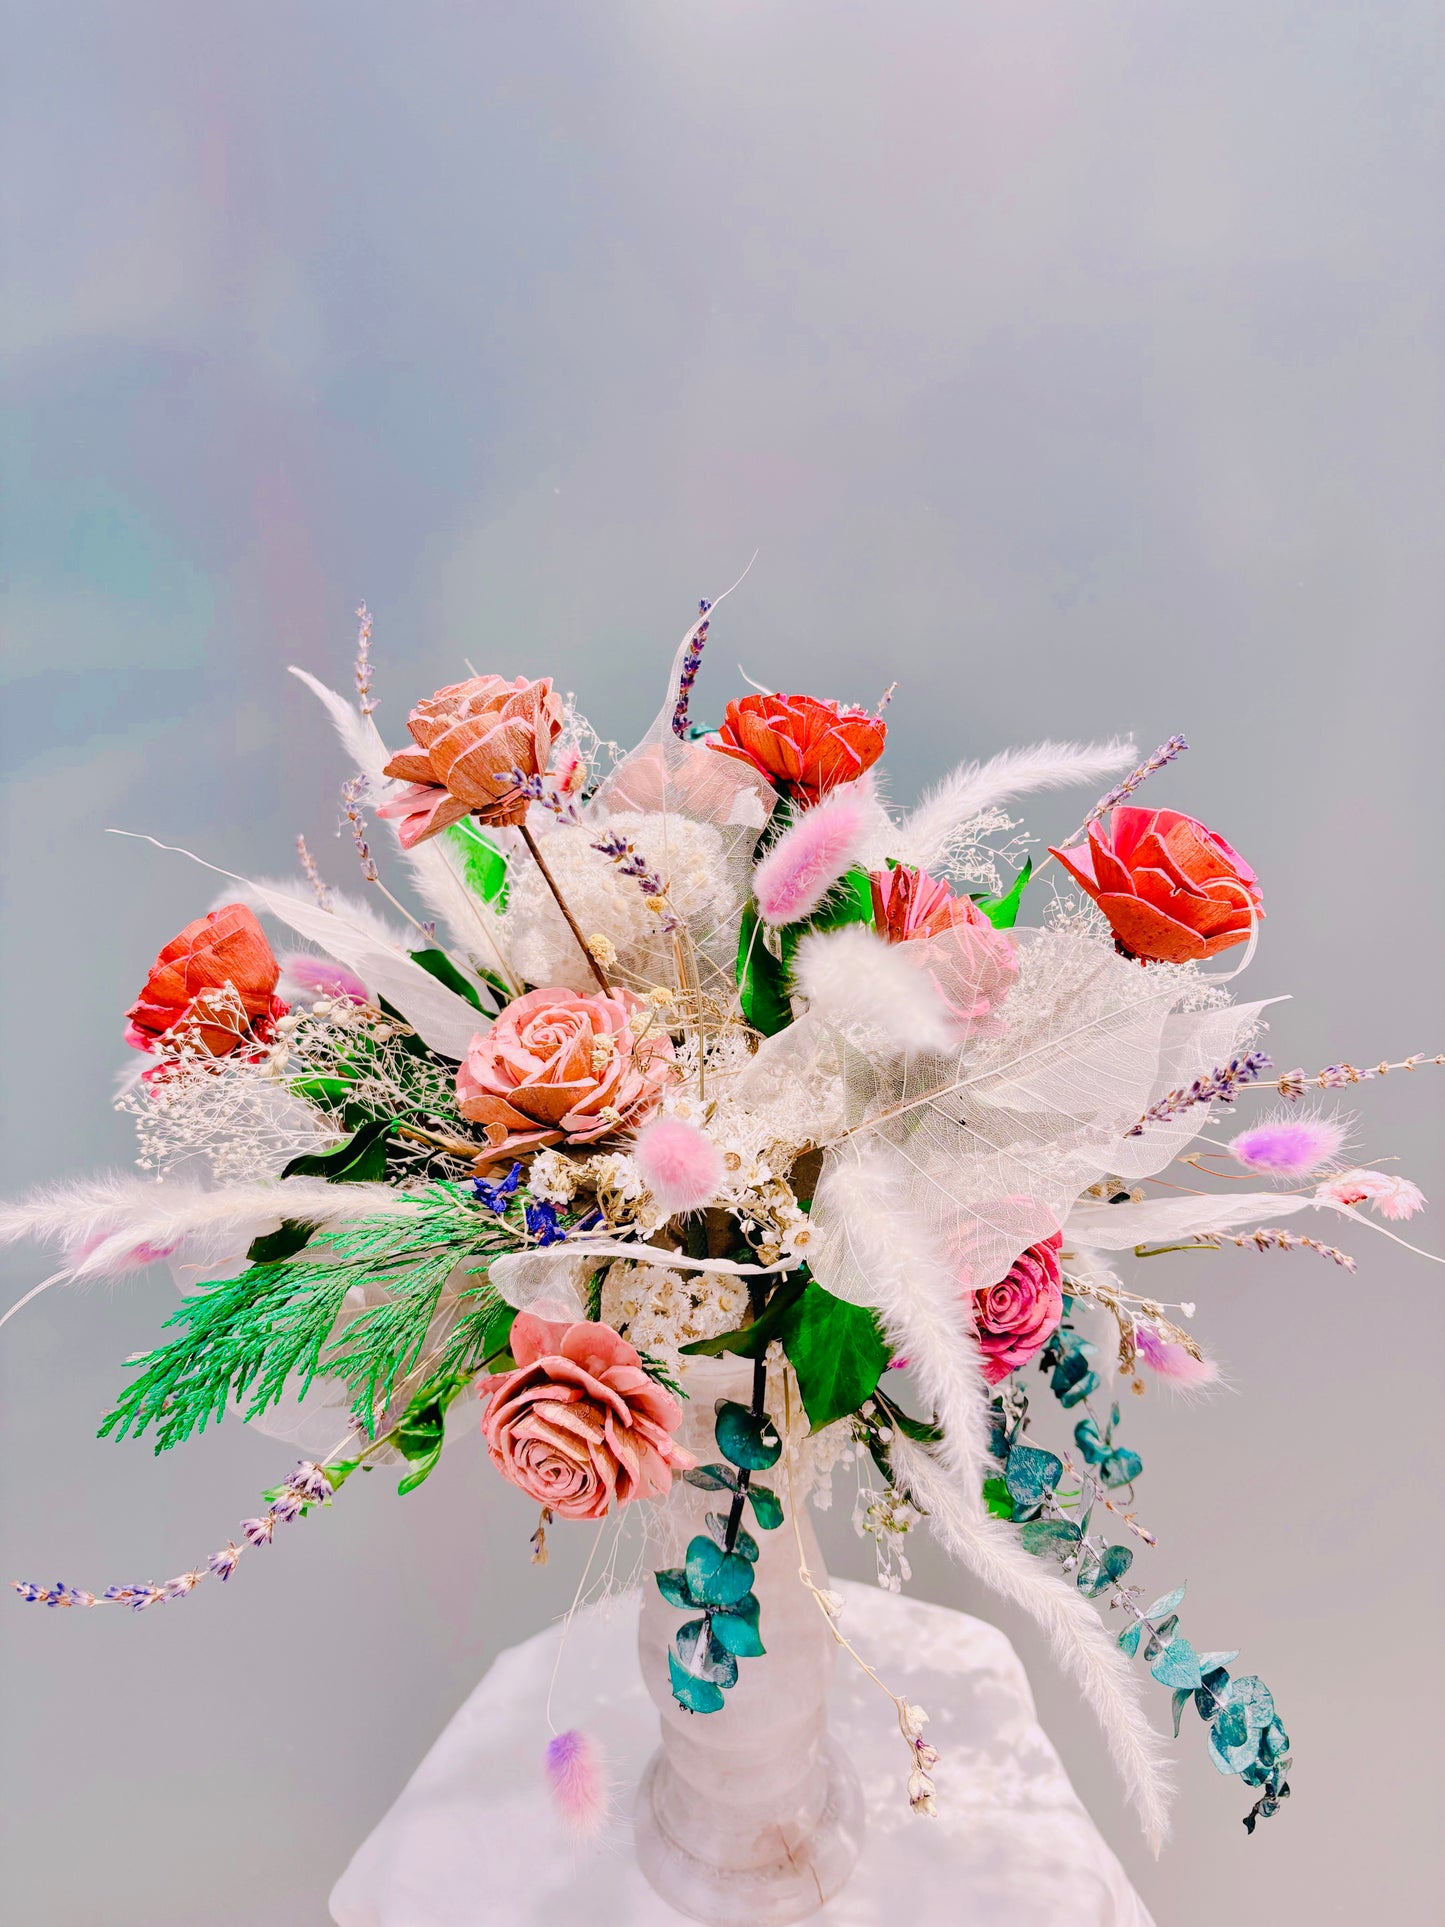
x=750 y=1814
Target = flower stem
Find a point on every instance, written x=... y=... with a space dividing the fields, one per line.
x=561 y=901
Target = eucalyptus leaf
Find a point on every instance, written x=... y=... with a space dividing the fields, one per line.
x=767 y=1509
x=1129 y=1643
x=1181 y=1700
x=745 y=1543
x=749 y=1442
x=712 y=1478
x=1048 y=1535
x=716 y=1577
x=1177 y=1665
x=695 y=1695
x=997 y=1500
x=736 y=1628
x=1031 y=1474
x=1170 y=1602
x=672 y=1584
x=1110 y=1569
x=702 y=1657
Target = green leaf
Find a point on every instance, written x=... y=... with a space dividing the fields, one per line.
x=837 y=1351
x=438 y=964
x=1110 y=1569
x=702 y=1656
x=672 y=1584
x=712 y=1478
x=361 y=1160
x=1181 y=1700
x=483 y=865
x=1129 y=1644
x=716 y=1577
x=767 y=1510
x=996 y=1498
x=749 y=1442
x=1048 y=1535
x=917 y=1429
x=1003 y=912
x=753 y=1340
x=1171 y=1602
x=849 y=901
x=736 y=1628
x=422 y=1432
x=695 y=1695
x=1177 y=1665
x=745 y=1543
x=1030 y=1474
x=272 y=1247
x=762 y=981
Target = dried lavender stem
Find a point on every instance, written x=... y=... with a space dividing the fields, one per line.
x=561 y=902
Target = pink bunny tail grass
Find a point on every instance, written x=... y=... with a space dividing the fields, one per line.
x=681 y=1167
x=321 y=977
x=810 y=856
x=576 y=1781
x=1392 y=1197
x=1175 y=1363
x=1282 y=1146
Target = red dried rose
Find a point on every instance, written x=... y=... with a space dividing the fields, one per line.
x=471 y=738
x=803 y=744
x=1173 y=891
x=195 y=985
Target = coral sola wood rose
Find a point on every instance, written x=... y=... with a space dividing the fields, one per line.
x=861 y=1161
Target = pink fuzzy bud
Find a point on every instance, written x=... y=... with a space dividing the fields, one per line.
x=1392 y=1197
x=323 y=977
x=1288 y=1147
x=1176 y=1363
x=575 y=1780
x=811 y=856
x=681 y=1167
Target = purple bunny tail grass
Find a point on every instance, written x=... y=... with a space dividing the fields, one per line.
x=577 y=1782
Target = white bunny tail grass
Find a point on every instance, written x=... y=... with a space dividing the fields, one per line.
x=928 y=835
x=856 y=981
x=916 y=1292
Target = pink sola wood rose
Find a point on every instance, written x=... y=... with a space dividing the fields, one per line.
x=579 y=1426
x=558 y=1066
x=909 y=906
x=1015 y=1317
x=471 y=738
x=1173 y=891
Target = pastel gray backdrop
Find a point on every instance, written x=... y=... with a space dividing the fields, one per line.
x=1075 y=364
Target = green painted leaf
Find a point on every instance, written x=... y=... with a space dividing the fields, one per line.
x=837 y=1351
x=483 y=865
x=736 y=1628
x=1181 y=1700
x=1109 y=1570
x=274 y=1246
x=745 y=1543
x=1129 y=1644
x=716 y=1577
x=767 y=1510
x=762 y=981
x=749 y=1442
x=1030 y=1474
x=1048 y=1535
x=695 y=1695
x=672 y=1584
x=702 y=1656
x=1177 y=1665
x=438 y=964
x=996 y=1498
x=712 y=1478
x=1003 y=912
x=1171 y=1602
x=361 y=1160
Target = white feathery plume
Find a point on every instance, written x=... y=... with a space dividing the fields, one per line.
x=915 y=1290
x=472 y=926
x=1119 y=1227
x=927 y=834
x=856 y=981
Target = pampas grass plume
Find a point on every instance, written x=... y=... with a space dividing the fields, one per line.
x=811 y=855
x=576 y=1781
x=681 y=1167
x=1282 y=1146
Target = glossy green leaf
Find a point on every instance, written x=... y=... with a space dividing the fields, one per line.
x=1030 y=1474
x=762 y=980
x=1003 y=912
x=483 y=865
x=422 y=1431
x=712 y=1478
x=716 y=1577
x=672 y=1584
x=745 y=1543
x=749 y=1442
x=767 y=1510
x=837 y=1351
x=1177 y=1665
x=702 y=1656
x=272 y=1247
x=736 y=1628
x=436 y=963
x=997 y=1500
x=753 y=1340
x=361 y=1160
x=696 y=1695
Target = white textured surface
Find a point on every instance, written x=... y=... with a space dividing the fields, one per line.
x=473 y=1836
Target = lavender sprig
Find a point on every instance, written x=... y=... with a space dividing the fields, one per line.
x=620 y=851
x=365 y=701
x=536 y=789
x=1219 y=1087
x=1334 y=1077
x=1165 y=753
x=690 y=664
x=308 y=1485
x=351 y=792
x=1268 y=1239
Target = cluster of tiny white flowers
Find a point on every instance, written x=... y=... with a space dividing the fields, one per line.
x=886 y=1518
x=660 y=1310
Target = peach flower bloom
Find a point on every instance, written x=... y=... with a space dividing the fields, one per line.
x=579 y=1426
x=187 y=988
x=559 y=1066
x=1173 y=891
x=470 y=739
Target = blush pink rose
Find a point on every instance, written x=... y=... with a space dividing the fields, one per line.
x=974 y=965
x=471 y=741
x=579 y=1426
x=560 y=1067
x=1015 y=1317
